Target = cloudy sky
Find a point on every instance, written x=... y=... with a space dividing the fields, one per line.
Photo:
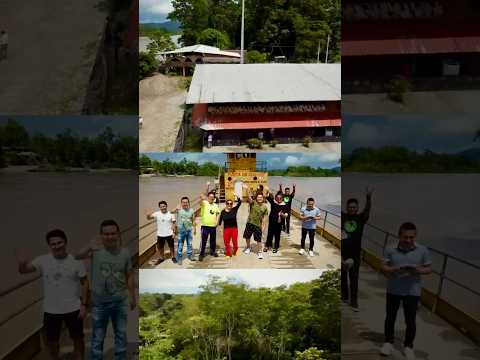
x=439 y=133
x=185 y=281
x=154 y=10
x=274 y=160
x=80 y=125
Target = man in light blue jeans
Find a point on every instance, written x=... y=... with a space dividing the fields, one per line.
x=185 y=226
x=112 y=288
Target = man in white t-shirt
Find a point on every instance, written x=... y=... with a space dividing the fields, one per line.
x=65 y=292
x=165 y=230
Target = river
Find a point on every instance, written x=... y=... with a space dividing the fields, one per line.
x=32 y=204
x=444 y=208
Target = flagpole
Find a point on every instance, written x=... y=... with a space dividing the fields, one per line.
x=242 y=35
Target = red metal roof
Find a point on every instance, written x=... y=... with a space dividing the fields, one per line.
x=411 y=46
x=271 y=124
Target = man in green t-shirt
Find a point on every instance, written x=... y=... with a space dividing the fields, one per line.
x=209 y=218
x=255 y=222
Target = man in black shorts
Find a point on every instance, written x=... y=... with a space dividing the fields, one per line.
x=63 y=301
x=287 y=199
x=255 y=223
x=165 y=230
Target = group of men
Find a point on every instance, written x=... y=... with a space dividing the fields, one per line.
x=108 y=290
x=181 y=223
x=403 y=264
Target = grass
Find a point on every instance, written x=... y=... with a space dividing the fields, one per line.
x=193 y=143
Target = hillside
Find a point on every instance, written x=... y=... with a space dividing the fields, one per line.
x=171 y=26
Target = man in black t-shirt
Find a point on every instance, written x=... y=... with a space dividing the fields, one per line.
x=287 y=199
x=276 y=219
x=353 y=223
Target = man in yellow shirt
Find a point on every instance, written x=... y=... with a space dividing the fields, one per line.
x=209 y=218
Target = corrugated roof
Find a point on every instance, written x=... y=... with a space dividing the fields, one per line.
x=202 y=49
x=233 y=83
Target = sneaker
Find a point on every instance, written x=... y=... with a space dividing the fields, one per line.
x=301 y=252
x=179 y=262
x=235 y=253
x=260 y=255
x=274 y=251
x=409 y=353
x=174 y=260
x=247 y=251
x=345 y=300
x=159 y=261
x=311 y=253
x=214 y=255
x=354 y=306
x=200 y=258
x=386 y=349
x=265 y=249
x=191 y=258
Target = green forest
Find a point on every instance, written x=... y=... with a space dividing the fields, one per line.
x=400 y=159
x=230 y=321
x=291 y=28
x=66 y=149
x=185 y=167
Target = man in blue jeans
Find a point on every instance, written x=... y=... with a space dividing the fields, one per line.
x=404 y=264
x=185 y=226
x=112 y=288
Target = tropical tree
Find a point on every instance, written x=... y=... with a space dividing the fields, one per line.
x=215 y=38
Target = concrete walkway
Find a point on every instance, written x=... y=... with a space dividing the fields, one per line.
x=362 y=332
x=323 y=147
x=419 y=102
x=327 y=256
x=51 y=53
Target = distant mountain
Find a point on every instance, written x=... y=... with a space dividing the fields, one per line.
x=171 y=26
x=471 y=154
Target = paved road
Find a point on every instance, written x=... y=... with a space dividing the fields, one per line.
x=161 y=107
x=52 y=50
x=326 y=256
x=362 y=332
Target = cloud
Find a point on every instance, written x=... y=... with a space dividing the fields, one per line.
x=189 y=281
x=155 y=10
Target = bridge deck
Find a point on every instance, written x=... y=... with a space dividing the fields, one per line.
x=362 y=332
x=327 y=256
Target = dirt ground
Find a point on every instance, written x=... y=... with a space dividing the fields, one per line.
x=161 y=107
x=52 y=49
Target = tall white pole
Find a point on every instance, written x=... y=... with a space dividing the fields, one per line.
x=243 y=30
x=318 y=52
x=328 y=44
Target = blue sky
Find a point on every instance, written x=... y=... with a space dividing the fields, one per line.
x=274 y=160
x=185 y=281
x=439 y=133
x=154 y=10
x=81 y=125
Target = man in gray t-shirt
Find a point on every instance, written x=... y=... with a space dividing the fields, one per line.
x=404 y=266
x=112 y=288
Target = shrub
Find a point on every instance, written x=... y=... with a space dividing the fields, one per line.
x=273 y=143
x=254 y=143
x=256 y=56
x=397 y=89
x=307 y=140
x=147 y=64
x=215 y=38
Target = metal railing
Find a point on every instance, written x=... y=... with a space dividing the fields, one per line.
x=454 y=276
x=280 y=140
x=37 y=277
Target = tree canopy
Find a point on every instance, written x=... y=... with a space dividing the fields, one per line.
x=228 y=320
x=293 y=28
x=401 y=159
x=67 y=149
